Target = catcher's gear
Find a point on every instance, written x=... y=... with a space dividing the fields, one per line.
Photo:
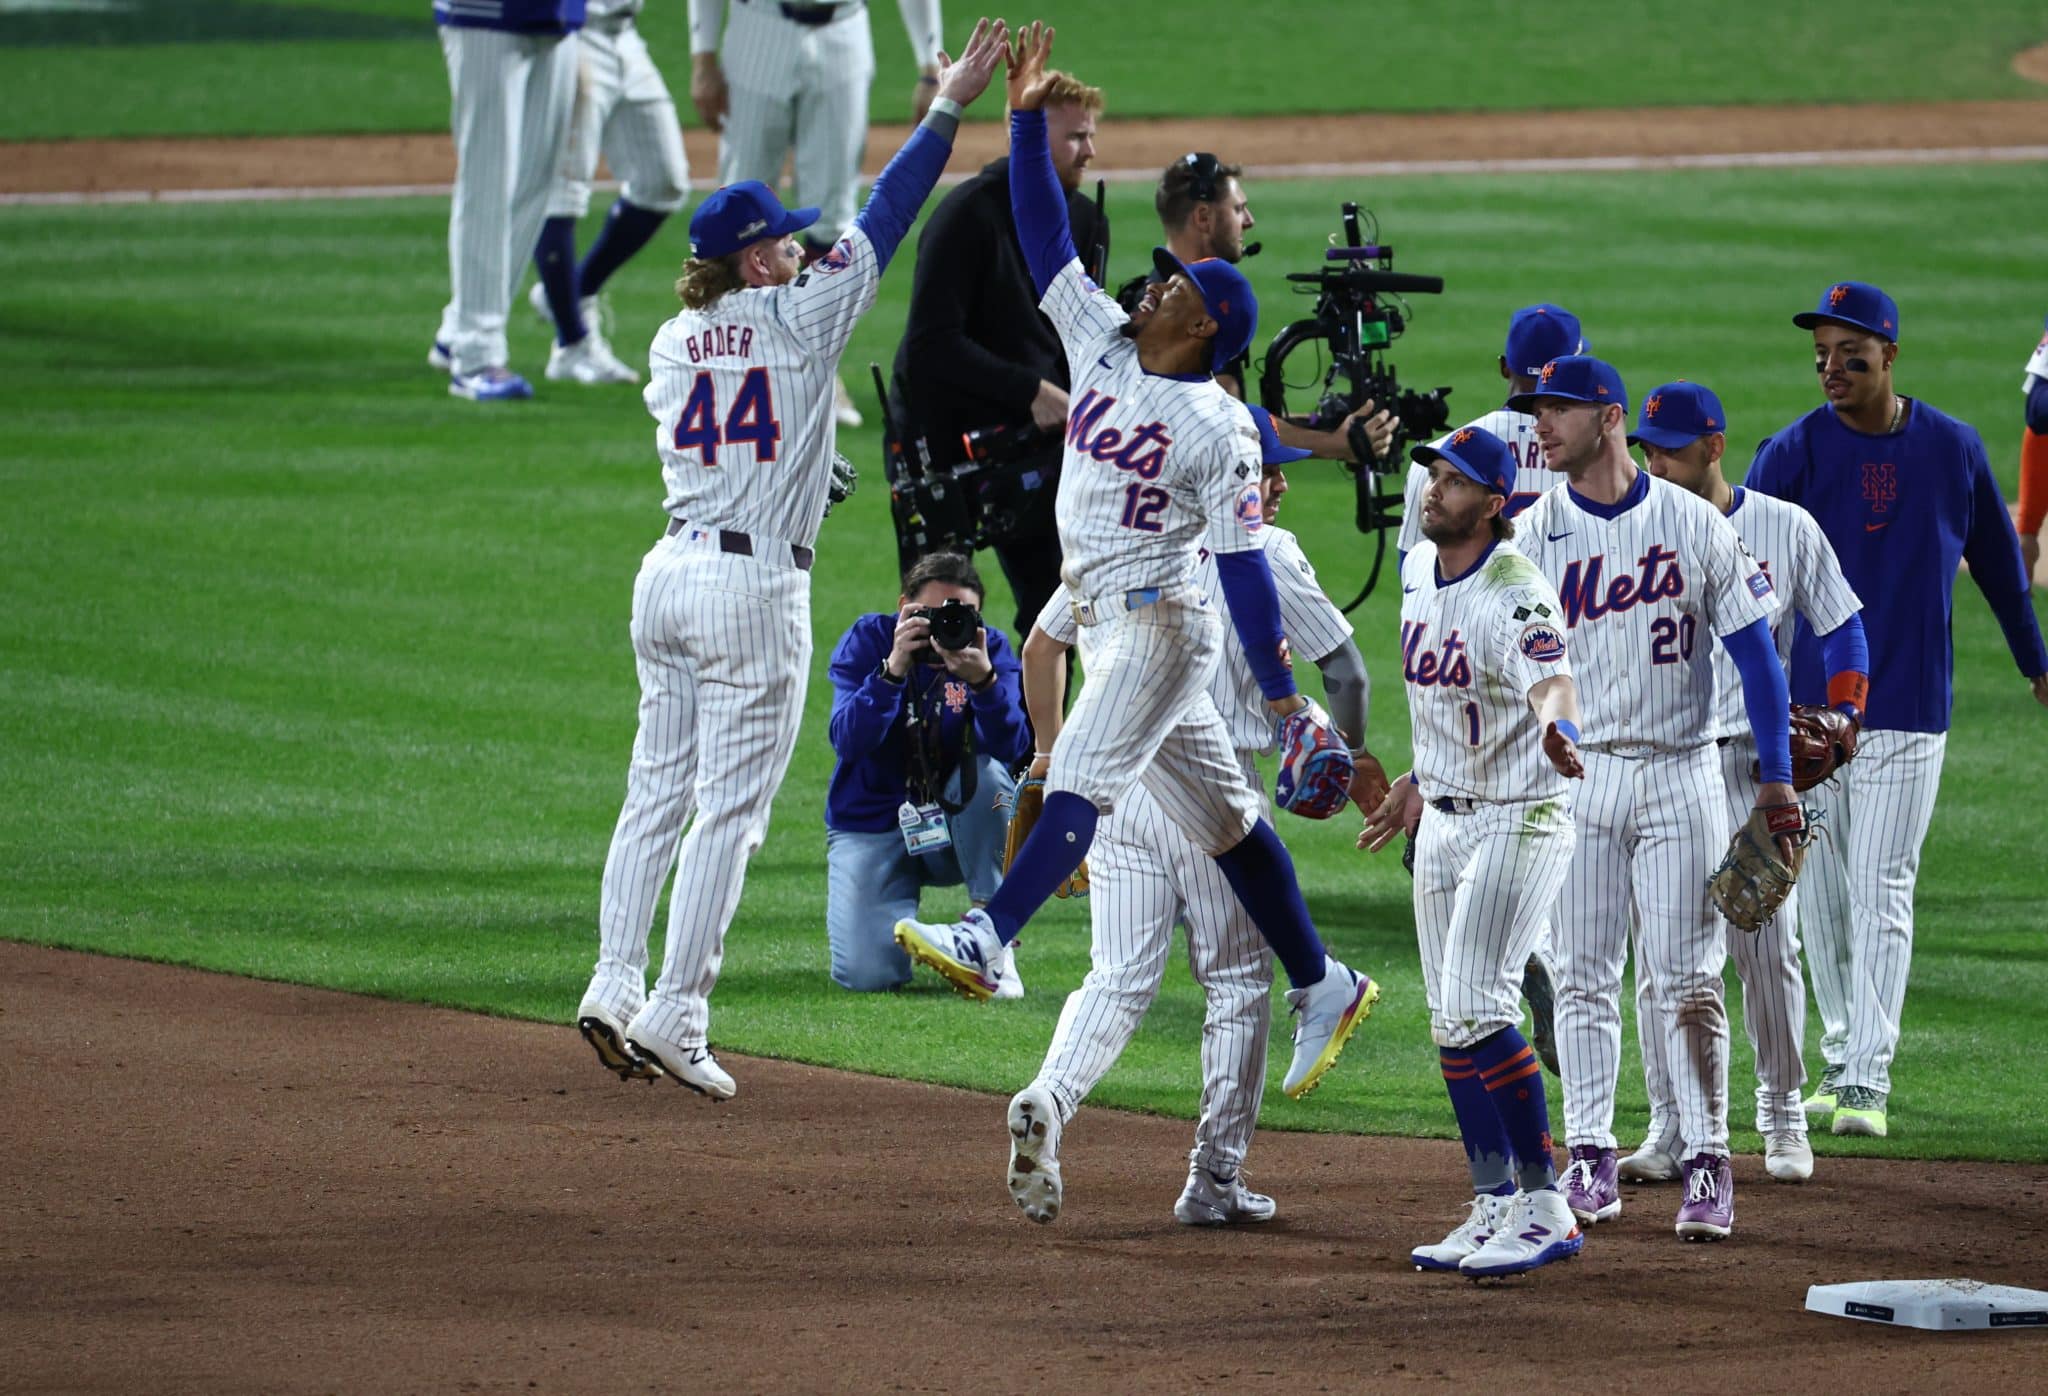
x=1314 y=780
x=1823 y=741
x=1754 y=878
x=1025 y=807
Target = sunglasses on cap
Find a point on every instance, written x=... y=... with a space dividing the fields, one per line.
x=1202 y=168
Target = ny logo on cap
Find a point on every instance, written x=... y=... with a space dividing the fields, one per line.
x=1548 y=369
x=1838 y=295
x=1652 y=403
x=1462 y=437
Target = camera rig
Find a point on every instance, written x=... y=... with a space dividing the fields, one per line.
x=1358 y=315
x=979 y=500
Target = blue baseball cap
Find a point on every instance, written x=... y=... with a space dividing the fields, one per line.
x=1478 y=454
x=1857 y=304
x=1678 y=414
x=743 y=213
x=1576 y=378
x=1226 y=294
x=1273 y=451
x=1539 y=333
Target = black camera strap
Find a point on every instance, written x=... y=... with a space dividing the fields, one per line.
x=925 y=737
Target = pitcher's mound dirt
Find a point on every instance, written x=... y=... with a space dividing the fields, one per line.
x=220 y=1185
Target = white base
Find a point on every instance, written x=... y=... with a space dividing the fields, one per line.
x=1946 y=1306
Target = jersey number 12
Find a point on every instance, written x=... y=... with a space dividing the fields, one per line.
x=750 y=419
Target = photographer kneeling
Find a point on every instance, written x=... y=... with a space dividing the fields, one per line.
x=927 y=724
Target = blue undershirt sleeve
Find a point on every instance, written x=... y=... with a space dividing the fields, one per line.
x=1845 y=649
x=1036 y=200
x=1247 y=583
x=2037 y=407
x=901 y=189
x=1764 y=697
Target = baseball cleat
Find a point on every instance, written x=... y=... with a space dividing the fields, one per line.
x=439 y=359
x=1210 y=1199
x=964 y=953
x=606 y=1034
x=693 y=1066
x=1540 y=990
x=1591 y=1184
x=1787 y=1156
x=1034 y=1175
x=1538 y=1228
x=1654 y=1162
x=843 y=410
x=1708 y=1213
x=1009 y=983
x=1822 y=1101
x=1861 y=1111
x=1468 y=1236
x=1328 y=1012
x=589 y=361
x=489 y=385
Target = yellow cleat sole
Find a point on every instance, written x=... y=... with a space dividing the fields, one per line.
x=1335 y=1050
x=960 y=978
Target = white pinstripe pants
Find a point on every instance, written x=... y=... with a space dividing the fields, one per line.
x=1773 y=995
x=813 y=95
x=1144 y=876
x=723 y=646
x=1649 y=834
x=511 y=98
x=1486 y=882
x=624 y=109
x=1857 y=897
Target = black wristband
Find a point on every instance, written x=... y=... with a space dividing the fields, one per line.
x=882 y=670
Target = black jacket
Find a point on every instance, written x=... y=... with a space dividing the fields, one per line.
x=975 y=346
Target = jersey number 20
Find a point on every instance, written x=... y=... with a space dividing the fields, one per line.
x=751 y=419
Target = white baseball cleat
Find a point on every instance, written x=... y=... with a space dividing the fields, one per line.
x=1468 y=1236
x=694 y=1066
x=1009 y=983
x=439 y=359
x=963 y=953
x=489 y=385
x=1539 y=1227
x=1327 y=1012
x=843 y=410
x=1209 y=1200
x=589 y=361
x=605 y=1031
x=1653 y=1162
x=1787 y=1155
x=1034 y=1174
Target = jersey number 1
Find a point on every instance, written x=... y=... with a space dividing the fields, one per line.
x=751 y=419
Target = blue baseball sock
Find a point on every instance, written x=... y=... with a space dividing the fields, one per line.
x=1514 y=1082
x=1058 y=843
x=626 y=230
x=1262 y=875
x=554 y=256
x=1487 y=1152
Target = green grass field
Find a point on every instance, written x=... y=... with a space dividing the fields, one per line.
x=168 y=67
x=311 y=672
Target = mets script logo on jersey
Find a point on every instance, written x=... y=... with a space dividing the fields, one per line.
x=1447 y=666
x=838 y=259
x=1880 y=487
x=1585 y=598
x=1143 y=452
x=1542 y=643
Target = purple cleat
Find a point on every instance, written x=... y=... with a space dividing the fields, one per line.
x=1591 y=1184
x=1709 y=1210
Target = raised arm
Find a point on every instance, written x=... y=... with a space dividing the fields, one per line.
x=1036 y=199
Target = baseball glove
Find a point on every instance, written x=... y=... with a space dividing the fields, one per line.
x=1823 y=741
x=1025 y=807
x=1315 y=765
x=1753 y=879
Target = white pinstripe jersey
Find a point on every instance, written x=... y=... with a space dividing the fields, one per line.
x=1532 y=475
x=1788 y=544
x=1471 y=649
x=765 y=51
x=1156 y=467
x=742 y=392
x=1645 y=592
x=1311 y=621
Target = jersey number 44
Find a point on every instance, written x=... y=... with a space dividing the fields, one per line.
x=750 y=420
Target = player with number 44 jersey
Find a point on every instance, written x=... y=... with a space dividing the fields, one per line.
x=741 y=389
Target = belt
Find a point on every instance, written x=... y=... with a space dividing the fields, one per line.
x=1452 y=804
x=1100 y=608
x=741 y=543
x=816 y=16
x=608 y=24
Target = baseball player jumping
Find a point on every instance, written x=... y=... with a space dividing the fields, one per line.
x=1495 y=718
x=1146 y=876
x=1682 y=431
x=742 y=390
x=1902 y=490
x=1649 y=577
x=1160 y=462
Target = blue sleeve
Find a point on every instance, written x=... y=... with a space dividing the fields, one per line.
x=999 y=722
x=1771 y=472
x=1255 y=613
x=1845 y=649
x=1764 y=697
x=900 y=191
x=1992 y=549
x=2037 y=407
x=864 y=704
x=1037 y=201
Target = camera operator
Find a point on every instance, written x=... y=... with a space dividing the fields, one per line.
x=1203 y=213
x=976 y=353
x=927 y=724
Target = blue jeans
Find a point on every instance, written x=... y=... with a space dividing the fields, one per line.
x=872 y=881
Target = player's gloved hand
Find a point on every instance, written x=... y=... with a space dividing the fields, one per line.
x=707 y=91
x=845 y=479
x=1399 y=811
x=1763 y=860
x=1563 y=753
x=1314 y=780
x=987 y=49
x=1823 y=741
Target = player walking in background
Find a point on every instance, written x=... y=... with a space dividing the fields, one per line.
x=2033 y=507
x=1495 y=718
x=623 y=109
x=1649 y=576
x=795 y=77
x=1160 y=463
x=1145 y=876
x=1904 y=493
x=741 y=387
x=512 y=82
x=1682 y=431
